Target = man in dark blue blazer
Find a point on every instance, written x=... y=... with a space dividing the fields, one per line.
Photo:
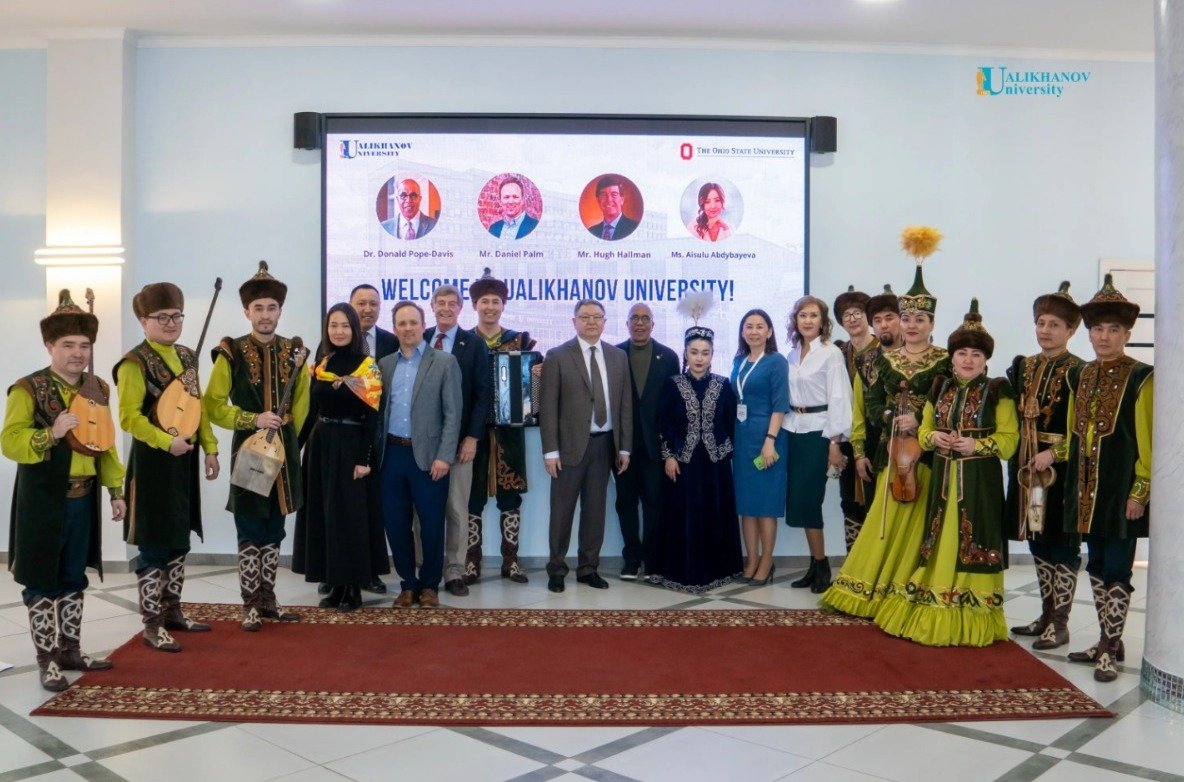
x=651 y=364
x=614 y=224
x=476 y=389
x=515 y=222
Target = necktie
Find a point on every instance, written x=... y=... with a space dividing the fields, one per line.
x=439 y=341
x=607 y=233
x=410 y=231
x=369 y=344
x=599 y=408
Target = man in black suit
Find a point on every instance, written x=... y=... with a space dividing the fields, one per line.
x=614 y=224
x=586 y=424
x=651 y=364
x=476 y=387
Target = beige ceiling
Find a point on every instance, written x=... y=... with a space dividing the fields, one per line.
x=1116 y=28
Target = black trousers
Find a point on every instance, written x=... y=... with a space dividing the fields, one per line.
x=1111 y=559
x=640 y=485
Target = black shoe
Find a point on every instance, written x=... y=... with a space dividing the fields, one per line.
x=351 y=600
x=821 y=577
x=754 y=581
x=323 y=589
x=456 y=587
x=807 y=579
x=376 y=586
x=593 y=580
x=555 y=583
x=629 y=572
x=334 y=598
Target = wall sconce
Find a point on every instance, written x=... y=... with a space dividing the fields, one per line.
x=107 y=255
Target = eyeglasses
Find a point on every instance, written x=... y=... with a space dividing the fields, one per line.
x=640 y=319
x=852 y=315
x=408 y=196
x=590 y=318
x=165 y=320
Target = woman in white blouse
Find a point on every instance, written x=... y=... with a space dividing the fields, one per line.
x=819 y=419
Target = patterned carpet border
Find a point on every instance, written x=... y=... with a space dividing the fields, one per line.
x=547 y=618
x=580 y=709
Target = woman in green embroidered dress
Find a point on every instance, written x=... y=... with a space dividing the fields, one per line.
x=955 y=596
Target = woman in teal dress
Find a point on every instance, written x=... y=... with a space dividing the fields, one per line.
x=885 y=553
x=760 y=379
x=955 y=596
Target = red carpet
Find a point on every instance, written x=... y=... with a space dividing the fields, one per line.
x=534 y=667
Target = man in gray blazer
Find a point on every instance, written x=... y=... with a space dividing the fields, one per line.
x=586 y=423
x=420 y=416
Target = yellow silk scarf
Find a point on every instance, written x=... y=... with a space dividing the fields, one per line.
x=365 y=381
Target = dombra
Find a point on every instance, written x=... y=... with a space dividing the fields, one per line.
x=95 y=432
x=178 y=410
x=258 y=462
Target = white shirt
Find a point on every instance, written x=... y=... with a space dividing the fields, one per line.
x=819 y=379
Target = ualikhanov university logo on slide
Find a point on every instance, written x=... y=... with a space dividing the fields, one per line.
x=1000 y=80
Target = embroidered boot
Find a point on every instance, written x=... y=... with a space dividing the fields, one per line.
x=156 y=636
x=269 y=607
x=174 y=618
x=473 y=555
x=1056 y=633
x=1045 y=573
x=70 y=656
x=851 y=528
x=511 y=527
x=1118 y=603
x=43 y=626
x=249 y=567
x=1090 y=655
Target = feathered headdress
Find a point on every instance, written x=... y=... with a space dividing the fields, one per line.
x=696 y=304
x=919 y=241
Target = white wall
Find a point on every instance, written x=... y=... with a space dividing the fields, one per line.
x=1028 y=190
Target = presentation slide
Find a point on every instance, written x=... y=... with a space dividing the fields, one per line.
x=622 y=210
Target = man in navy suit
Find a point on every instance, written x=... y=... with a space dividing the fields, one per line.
x=410 y=223
x=476 y=388
x=614 y=224
x=515 y=222
x=416 y=446
x=651 y=364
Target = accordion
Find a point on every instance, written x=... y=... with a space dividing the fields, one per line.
x=516 y=377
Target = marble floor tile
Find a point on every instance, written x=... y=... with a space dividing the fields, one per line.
x=325 y=743
x=438 y=755
x=907 y=753
x=820 y=771
x=568 y=742
x=1072 y=771
x=699 y=755
x=808 y=741
x=209 y=756
x=16 y=753
x=1141 y=741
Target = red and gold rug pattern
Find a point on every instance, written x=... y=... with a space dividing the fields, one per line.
x=554 y=667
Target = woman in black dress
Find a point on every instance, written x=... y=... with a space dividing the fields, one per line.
x=697 y=545
x=339 y=537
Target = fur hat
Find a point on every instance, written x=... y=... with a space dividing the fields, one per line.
x=68 y=319
x=971 y=333
x=262 y=286
x=881 y=302
x=157 y=296
x=1108 y=305
x=848 y=299
x=1060 y=304
x=486 y=285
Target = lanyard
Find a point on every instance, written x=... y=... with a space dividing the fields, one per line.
x=742 y=378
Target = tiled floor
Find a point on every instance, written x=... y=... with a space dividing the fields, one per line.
x=1143 y=742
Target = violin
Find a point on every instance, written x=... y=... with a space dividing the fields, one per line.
x=178 y=410
x=95 y=432
x=904 y=450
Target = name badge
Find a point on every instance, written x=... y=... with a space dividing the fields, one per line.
x=741 y=412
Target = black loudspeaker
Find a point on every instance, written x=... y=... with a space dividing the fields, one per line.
x=823 y=134
x=306 y=130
